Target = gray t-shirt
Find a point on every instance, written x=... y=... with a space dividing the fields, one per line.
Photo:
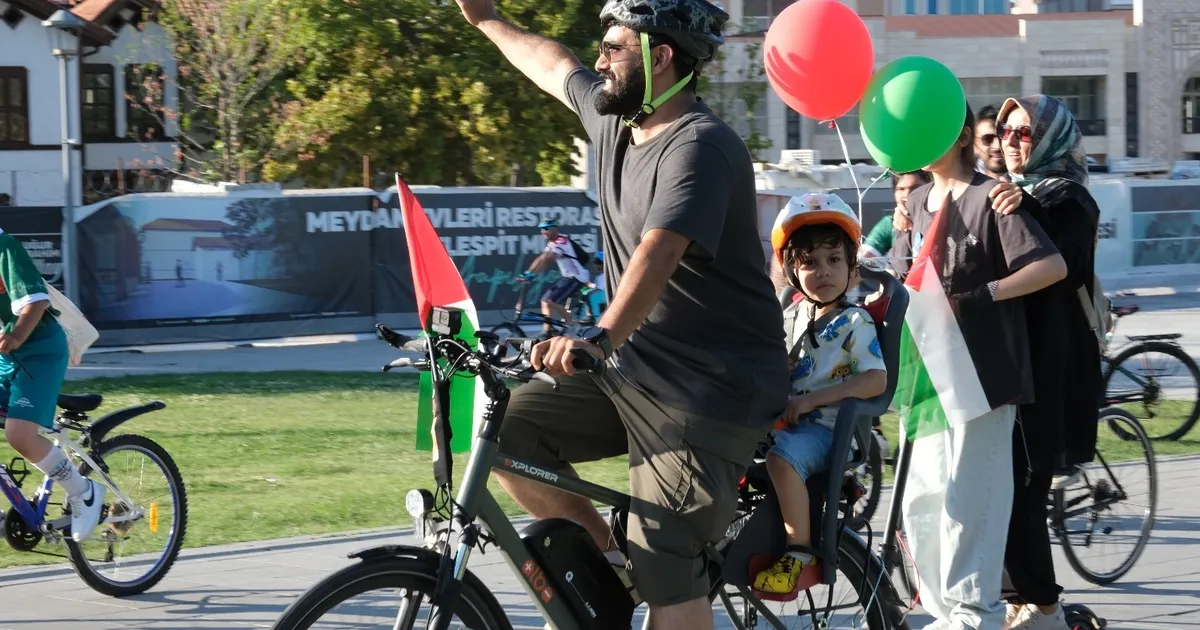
x=713 y=345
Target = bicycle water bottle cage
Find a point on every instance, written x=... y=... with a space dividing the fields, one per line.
x=17 y=471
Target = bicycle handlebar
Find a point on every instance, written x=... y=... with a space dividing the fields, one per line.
x=490 y=356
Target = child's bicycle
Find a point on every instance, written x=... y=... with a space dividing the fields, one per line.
x=569 y=581
x=141 y=528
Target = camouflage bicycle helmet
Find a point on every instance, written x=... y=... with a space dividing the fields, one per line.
x=695 y=25
x=692 y=25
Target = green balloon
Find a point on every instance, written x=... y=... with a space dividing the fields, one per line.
x=911 y=113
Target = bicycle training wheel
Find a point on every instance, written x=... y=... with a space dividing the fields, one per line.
x=1159 y=384
x=1103 y=520
x=389 y=593
x=129 y=557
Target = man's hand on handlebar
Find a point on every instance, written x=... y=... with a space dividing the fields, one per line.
x=554 y=356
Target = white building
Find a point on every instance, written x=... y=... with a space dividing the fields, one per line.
x=120 y=48
x=1130 y=71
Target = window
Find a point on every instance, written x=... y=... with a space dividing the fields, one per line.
x=848 y=124
x=14 y=106
x=1131 y=114
x=759 y=13
x=995 y=7
x=983 y=91
x=932 y=7
x=98 y=102
x=1085 y=97
x=144 y=112
x=910 y=7
x=793 y=128
x=964 y=7
x=1191 y=105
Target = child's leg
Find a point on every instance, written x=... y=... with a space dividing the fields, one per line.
x=793 y=500
x=798 y=453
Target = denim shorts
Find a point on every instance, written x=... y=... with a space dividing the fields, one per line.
x=805 y=446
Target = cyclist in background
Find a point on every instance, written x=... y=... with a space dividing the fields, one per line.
x=569 y=256
x=33 y=364
x=597 y=295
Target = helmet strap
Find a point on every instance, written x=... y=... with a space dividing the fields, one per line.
x=790 y=273
x=649 y=103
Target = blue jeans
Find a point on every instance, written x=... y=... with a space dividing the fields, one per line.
x=805 y=446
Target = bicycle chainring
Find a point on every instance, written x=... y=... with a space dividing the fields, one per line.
x=17 y=533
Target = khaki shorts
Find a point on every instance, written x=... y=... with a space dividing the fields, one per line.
x=683 y=469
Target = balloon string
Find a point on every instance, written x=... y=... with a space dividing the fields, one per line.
x=853 y=177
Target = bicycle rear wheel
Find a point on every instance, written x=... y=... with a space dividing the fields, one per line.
x=389 y=593
x=864 y=595
x=1107 y=508
x=1159 y=384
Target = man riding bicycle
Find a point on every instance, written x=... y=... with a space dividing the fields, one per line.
x=561 y=249
x=693 y=335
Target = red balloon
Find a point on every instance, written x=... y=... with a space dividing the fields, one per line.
x=819 y=57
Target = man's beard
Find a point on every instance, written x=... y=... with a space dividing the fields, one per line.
x=626 y=95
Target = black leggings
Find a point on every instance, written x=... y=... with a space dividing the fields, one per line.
x=1027 y=557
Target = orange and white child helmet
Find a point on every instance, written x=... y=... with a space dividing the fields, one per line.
x=810 y=209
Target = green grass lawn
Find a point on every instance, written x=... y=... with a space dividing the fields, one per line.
x=267 y=455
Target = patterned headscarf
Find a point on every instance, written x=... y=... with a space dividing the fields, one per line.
x=1057 y=142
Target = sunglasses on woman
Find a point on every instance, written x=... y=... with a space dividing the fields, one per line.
x=1025 y=132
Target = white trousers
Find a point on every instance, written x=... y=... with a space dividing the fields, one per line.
x=957 y=503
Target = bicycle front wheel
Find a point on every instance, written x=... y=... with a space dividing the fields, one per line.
x=1104 y=520
x=137 y=543
x=389 y=593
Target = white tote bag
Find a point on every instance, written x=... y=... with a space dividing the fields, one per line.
x=80 y=332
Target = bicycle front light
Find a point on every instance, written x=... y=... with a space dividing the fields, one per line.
x=418 y=501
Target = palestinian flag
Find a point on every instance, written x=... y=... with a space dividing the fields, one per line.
x=955 y=360
x=436 y=282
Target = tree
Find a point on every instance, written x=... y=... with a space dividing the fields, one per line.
x=230 y=53
x=425 y=94
x=735 y=95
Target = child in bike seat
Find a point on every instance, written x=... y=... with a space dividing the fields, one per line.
x=834 y=355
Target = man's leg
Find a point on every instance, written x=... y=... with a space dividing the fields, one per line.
x=683 y=475
x=548 y=428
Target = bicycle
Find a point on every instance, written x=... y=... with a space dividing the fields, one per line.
x=1147 y=389
x=577 y=305
x=25 y=524
x=569 y=581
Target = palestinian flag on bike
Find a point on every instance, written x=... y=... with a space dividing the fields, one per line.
x=436 y=282
x=946 y=358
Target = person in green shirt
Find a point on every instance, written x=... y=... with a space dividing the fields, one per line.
x=33 y=364
x=879 y=240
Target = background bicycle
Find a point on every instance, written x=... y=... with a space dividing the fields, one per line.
x=1153 y=378
x=144 y=518
x=577 y=305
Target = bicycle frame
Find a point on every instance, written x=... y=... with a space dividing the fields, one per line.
x=34 y=515
x=475 y=505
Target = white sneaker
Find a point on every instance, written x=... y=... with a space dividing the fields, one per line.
x=85 y=511
x=1034 y=619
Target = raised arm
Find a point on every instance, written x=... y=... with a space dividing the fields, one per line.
x=543 y=60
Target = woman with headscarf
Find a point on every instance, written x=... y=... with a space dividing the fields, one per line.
x=1043 y=149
